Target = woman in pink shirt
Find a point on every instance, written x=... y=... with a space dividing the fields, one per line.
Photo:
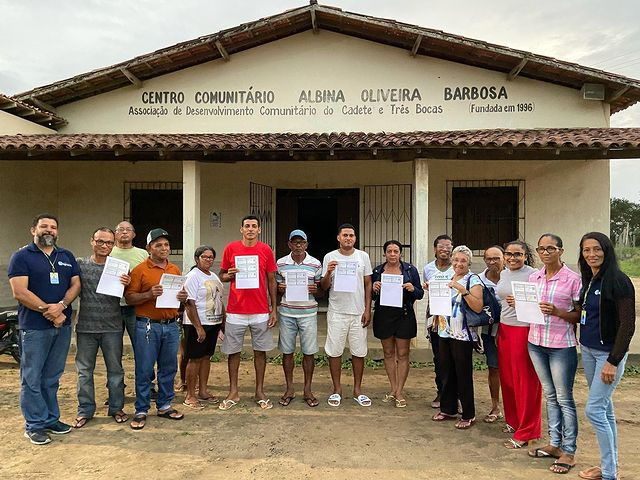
x=552 y=348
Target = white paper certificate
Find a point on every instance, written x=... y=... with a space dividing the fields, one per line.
x=297 y=286
x=440 y=298
x=109 y=283
x=345 y=278
x=171 y=285
x=391 y=290
x=527 y=299
x=248 y=269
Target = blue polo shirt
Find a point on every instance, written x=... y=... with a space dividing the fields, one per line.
x=31 y=262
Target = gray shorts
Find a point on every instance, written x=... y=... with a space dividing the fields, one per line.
x=261 y=338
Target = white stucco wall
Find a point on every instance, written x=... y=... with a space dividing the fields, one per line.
x=331 y=61
x=12 y=125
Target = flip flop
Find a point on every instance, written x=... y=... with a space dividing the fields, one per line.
x=591 y=473
x=285 y=401
x=334 y=399
x=140 y=419
x=120 y=417
x=441 y=417
x=170 y=414
x=227 y=404
x=565 y=466
x=388 y=398
x=540 y=453
x=210 y=399
x=363 y=400
x=463 y=424
x=513 y=444
x=401 y=403
x=311 y=401
x=492 y=417
x=265 y=404
x=508 y=429
x=193 y=406
x=80 y=422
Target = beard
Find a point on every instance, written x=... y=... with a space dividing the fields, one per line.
x=46 y=240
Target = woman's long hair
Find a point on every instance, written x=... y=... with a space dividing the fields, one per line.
x=609 y=268
x=529 y=257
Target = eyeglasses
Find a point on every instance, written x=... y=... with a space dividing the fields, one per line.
x=101 y=243
x=444 y=247
x=207 y=257
x=124 y=229
x=492 y=259
x=298 y=244
x=513 y=254
x=550 y=250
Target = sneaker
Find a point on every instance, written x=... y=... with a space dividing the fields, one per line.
x=58 y=428
x=38 y=437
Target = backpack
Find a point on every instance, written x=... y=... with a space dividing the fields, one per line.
x=490 y=313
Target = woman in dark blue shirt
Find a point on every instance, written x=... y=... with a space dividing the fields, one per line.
x=607 y=323
x=396 y=326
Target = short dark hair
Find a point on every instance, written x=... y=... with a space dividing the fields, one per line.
x=553 y=237
x=102 y=229
x=346 y=225
x=493 y=246
x=441 y=237
x=249 y=217
x=391 y=242
x=39 y=217
x=201 y=249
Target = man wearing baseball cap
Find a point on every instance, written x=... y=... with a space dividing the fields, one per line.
x=157 y=335
x=298 y=316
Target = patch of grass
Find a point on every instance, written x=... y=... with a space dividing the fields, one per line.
x=629 y=260
x=479 y=364
x=632 y=371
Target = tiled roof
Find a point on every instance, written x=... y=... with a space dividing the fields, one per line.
x=29 y=112
x=621 y=92
x=571 y=138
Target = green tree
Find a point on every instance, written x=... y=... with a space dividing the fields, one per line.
x=624 y=212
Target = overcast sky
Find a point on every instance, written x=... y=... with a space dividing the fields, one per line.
x=43 y=41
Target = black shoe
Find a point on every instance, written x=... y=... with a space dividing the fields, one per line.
x=58 y=428
x=154 y=393
x=38 y=437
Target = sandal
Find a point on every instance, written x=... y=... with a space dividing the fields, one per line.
x=363 y=400
x=334 y=399
x=285 y=401
x=265 y=404
x=80 y=422
x=563 y=467
x=311 y=401
x=513 y=444
x=388 y=398
x=140 y=419
x=193 y=405
x=210 y=399
x=492 y=417
x=227 y=404
x=401 y=403
x=463 y=424
x=591 y=473
x=508 y=429
x=441 y=417
x=171 y=414
x=540 y=453
x=120 y=417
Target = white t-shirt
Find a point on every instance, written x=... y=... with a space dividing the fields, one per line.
x=431 y=270
x=206 y=291
x=351 y=303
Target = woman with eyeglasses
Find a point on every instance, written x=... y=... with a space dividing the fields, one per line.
x=607 y=323
x=552 y=348
x=521 y=390
x=203 y=323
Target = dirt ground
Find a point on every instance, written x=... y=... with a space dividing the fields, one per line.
x=349 y=442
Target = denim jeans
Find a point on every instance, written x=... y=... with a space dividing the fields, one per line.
x=128 y=314
x=155 y=343
x=87 y=351
x=556 y=369
x=599 y=409
x=44 y=353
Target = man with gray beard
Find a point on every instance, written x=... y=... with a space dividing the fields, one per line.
x=45 y=279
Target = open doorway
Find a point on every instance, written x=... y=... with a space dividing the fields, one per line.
x=318 y=213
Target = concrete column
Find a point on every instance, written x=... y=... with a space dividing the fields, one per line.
x=421 y=243
x=190 y=211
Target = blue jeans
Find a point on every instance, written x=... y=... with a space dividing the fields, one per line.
x=44 y=353
x=599 y=408
x=556 y=369
x=155 y=343
x=128 y=314
x=87 y=350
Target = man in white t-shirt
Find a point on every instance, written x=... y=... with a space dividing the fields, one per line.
x=349 y=312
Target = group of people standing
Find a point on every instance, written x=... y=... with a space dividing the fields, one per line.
x=524 y=359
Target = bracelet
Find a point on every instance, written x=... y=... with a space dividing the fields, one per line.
x=64 y=305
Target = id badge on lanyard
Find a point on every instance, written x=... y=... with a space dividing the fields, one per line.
x=53 y=278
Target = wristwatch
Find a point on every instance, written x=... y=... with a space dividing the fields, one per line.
x=466 y=293
x=64 y=305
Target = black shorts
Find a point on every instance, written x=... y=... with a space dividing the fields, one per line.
x=392 y=322
x=193 y=348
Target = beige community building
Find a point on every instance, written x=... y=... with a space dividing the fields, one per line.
x=312 y=118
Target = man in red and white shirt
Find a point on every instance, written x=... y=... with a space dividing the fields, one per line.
x=249 y=265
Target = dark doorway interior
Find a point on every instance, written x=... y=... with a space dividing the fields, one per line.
x=146 y=214
x=318 y=213
x=484 y=216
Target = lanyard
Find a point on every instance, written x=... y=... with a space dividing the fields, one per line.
x=586 y=294
x=53 y=264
